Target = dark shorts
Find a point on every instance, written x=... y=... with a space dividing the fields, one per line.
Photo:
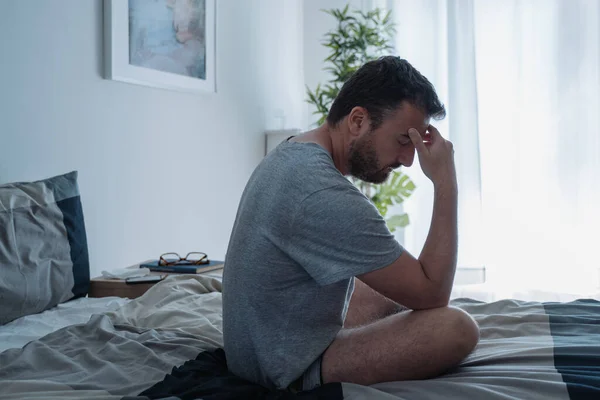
x=310 y=379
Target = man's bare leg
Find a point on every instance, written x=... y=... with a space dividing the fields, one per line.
x=381 y=344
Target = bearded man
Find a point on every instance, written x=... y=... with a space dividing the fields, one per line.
x=315 y=287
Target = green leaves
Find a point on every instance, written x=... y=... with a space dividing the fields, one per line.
x=394 y=191
x=320 y=98
x=399 y=187
x=397 y=221
x=360 y=37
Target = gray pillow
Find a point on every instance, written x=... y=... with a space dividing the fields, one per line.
x=43 y=246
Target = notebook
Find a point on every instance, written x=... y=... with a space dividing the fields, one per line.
x=183 y=269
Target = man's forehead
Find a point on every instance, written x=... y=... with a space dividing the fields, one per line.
x=408 y=117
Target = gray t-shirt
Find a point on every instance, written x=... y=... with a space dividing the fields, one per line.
x=302 y=232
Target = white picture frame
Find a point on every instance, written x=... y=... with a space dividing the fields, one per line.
x=166 y=68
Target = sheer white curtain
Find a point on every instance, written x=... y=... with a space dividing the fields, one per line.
x=521 y=82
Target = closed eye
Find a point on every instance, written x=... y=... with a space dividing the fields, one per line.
x=404 y=140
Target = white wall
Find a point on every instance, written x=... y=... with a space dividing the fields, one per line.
x=280 y=56
x=158 y=170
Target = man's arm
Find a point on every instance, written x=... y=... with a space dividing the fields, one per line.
x=426 y=282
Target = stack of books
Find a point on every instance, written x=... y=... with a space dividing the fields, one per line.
x=183 y=269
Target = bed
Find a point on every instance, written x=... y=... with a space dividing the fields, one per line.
x=56 y=343
x=21 y=331
x=168 y=344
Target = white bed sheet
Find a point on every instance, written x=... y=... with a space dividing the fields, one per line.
x=19 y=332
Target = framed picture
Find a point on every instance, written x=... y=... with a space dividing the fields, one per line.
x=166 y=44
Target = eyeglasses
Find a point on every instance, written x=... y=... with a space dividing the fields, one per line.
x=192 y=258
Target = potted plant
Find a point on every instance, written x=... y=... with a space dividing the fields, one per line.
x=358 y=38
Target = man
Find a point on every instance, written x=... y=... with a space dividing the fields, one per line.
x=314 y=283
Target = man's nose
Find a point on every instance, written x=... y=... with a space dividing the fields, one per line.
x=407 y=157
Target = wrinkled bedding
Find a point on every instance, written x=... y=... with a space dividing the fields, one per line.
x=21 y=331
x=168 y=344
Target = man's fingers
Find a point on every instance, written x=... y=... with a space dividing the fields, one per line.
x=435 y=134
x=416 y=139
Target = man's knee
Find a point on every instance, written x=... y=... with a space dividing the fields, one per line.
x=462 y=330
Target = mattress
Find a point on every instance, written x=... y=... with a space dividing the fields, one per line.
x=168 y=344
x=23 y=330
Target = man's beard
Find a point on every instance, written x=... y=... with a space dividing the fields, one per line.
x=363 y=162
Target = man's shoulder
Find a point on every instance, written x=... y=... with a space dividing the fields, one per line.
x=306 y=165
x=309 y=155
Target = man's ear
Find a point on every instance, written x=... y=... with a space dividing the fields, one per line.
x=358 y=121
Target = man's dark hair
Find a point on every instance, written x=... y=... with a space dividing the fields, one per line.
x=380 y=86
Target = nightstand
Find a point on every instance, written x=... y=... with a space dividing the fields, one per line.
x=103 y=287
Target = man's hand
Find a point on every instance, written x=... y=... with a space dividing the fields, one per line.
x=426 y=282
x=436 y=157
